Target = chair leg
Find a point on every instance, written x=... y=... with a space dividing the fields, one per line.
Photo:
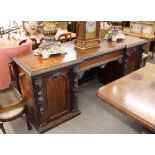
x=2 y=128
x=27 y=119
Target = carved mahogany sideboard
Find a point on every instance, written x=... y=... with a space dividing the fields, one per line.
x=50 y=87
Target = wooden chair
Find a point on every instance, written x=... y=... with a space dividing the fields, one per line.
x=65 y=37
x=34 y=43
x=12 y=106
x=22 y=42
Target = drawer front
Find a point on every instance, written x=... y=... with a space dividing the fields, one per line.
x=99 y=60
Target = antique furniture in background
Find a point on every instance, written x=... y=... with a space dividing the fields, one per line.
x=11 y=110
x=12 y=105
x=50 y=32
x=120 y=23
x=50 y=87
x=117 y=23
x=133 y=95
x=10 y=48
x=34 y=43
x=32 y=27
x=65 y=37
x=34 y=30
x=63 y=25
x=69 y=35
x=87 y=34
x=143 y=30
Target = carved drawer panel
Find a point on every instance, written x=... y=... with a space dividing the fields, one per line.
x=133 y=60
x=99 y=60
x=57 y=93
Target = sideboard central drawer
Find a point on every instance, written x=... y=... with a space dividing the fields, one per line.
x=99 y=60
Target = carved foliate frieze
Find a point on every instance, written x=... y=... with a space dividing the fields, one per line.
x=58 y=74
x=124 y=61
x=103 y=65
x=80 y=74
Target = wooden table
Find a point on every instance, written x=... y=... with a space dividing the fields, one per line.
x=134 y=95
x=50 y=87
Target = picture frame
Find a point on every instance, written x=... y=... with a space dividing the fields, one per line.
x=148 y=29
x=135 y=27
x=142 y=28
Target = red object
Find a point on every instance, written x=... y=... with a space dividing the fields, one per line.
x=5 y=57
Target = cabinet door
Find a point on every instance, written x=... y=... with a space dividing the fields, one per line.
x=58 y=98
x=134 y=59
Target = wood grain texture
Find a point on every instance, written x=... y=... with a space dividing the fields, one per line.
x=58 y=98
x=99 y=60
x=51 y=86
x=133 y=95
x=38 y=65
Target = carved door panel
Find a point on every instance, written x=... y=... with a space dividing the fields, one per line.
x=58 y=94
x=133 y=60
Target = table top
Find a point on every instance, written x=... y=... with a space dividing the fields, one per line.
x=36 y=63
x=133 y=95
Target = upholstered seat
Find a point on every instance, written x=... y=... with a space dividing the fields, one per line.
x=11 y=114
x=12 y=106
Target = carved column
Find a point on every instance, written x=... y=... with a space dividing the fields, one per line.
x=141 y=50
x=75 y=88
x=39 y=95
x=124 y=61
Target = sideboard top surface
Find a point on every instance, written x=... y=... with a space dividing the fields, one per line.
x=34 y=64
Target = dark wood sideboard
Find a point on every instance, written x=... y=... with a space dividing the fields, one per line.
x=50 y=87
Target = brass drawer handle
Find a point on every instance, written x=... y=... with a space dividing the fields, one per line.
x=21 y=74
